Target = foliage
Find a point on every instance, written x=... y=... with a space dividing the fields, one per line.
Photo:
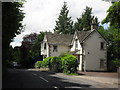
x=113 y=16
x=87 y=18
x=85 y=21
x=28 y=53
x=64 y=24
x=38 y=64
x=47 y=62
x=36 y=47
x=69 y=63
x=12 y=17
x=16 y=54
x=28 y=40
x=117 y=62
x=26 y=59
x=113 y=32
x=66 y=63
x=113 y=37
x=78 y=25
x=50 y=62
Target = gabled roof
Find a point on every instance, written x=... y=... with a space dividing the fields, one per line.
x=59 y=38
x=82 y=35
x=98 y=33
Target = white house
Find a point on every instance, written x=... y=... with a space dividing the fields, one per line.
x=90 y=47
x=91 y=50
x=55 y=44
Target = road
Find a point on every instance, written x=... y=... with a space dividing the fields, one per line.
x=23 y=78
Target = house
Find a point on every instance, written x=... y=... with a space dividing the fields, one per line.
x=90 y=47
x=91 y=50
x=55 y=44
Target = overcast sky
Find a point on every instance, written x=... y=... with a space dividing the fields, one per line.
x=42 y=14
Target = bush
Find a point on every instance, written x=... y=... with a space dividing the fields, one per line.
x=46 y=62
x=66 y=63
x=38 y=64
x=52 y=63
x=116 y=62
x=69 y=63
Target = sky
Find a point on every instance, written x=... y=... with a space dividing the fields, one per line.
x=41 y=15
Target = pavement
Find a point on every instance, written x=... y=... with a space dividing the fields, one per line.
x=100 y=74
x=102 y=77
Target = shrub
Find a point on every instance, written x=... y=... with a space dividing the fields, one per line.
x=66 y=63
x=38 y=64
x=116 y=62
x=69 y=63
x=51 y=62
x=56 y=63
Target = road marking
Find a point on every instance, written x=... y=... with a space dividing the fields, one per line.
x=34 y=74
x=43 y=79
x=40 y=77
x=56 y=88
x=73 y=87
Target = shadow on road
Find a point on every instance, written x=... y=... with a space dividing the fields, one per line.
x=22 y=78
x=61 y=82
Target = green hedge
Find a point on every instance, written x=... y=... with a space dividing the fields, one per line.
x=69 y=63
x=38 y=64
x=66 y=63
x=117 y=62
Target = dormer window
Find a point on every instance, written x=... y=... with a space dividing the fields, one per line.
x=44 y=45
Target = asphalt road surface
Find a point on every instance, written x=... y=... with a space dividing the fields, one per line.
x=23 y=78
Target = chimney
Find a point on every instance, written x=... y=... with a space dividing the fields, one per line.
x=93 y=25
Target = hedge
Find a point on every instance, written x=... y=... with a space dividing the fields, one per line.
x=66 y=63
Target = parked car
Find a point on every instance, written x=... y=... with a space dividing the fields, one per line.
x=15 y=65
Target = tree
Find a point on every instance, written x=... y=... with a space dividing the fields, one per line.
x=113 y=37
x=113 y=18
x=26 y=54
x=112 y=1
x=11 y=22
x=78 y=25
x=64 y=24
x=36 y=47
x=12 y=17
x=16 y=54
x=84 y=22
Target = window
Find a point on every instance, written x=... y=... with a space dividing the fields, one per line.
x=102 y=63
x=102 y=45
x=55 y=48
x=44 y=45
x=76 y=44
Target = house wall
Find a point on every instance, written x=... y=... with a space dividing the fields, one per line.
x=79 y=48
x=49 y=49
x=44 y=51
x=60 y=50
x=93 y=53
